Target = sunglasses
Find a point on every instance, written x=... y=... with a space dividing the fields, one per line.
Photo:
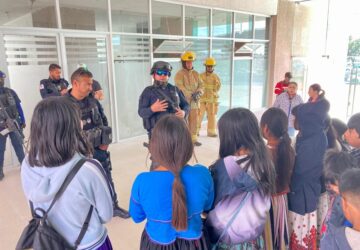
x=160 y=72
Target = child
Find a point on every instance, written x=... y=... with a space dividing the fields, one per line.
x=335 y=163
x=274 y=127
x=244 y=179
x=57 y=144
x=346 y=238
x=340 y=128
x=173 y=196
x=352 y=135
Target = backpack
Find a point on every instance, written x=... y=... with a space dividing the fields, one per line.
x=40 y=235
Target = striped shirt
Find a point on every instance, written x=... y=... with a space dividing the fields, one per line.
x=284 y=102
x=356 y=154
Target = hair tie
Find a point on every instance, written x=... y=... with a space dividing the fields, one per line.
x=282 y=137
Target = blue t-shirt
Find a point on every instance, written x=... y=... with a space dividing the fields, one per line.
x=151 y=199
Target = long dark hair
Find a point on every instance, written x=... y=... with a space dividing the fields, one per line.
x=284 y=156
x=55 y=133
x=238 y=128
x=171 y=147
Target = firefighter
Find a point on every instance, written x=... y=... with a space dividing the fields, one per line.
x=188 y=81
x=209 y=100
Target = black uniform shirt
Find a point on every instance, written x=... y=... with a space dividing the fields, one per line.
x=50 y=87
x=151 y=94
x=85 y=105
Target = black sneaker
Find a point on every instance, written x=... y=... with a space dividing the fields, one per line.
x=197 y=144
x=120 y=212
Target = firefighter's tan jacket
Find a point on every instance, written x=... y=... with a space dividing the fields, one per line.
x=189 y=82
x=212 y=85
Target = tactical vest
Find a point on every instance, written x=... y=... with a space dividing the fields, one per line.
x=8 y=107
x=169 y=94
x=90 y=114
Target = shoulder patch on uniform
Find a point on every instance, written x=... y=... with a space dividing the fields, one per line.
x=42 y=86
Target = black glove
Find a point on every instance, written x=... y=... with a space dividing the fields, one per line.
x=196 y=96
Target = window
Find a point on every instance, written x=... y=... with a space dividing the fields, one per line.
x=166 y=18
x=130 y=16
x=222 y=23
x=84 y=15
x=241 y=88
x=259 y=73
x=17 y=13
x=243 y=26
x=222 y=51
x=197 y=21
x=261 y=27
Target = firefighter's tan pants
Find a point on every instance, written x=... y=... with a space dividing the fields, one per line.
x=193 y=121
x=211 y=109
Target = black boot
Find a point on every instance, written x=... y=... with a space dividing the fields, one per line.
x=120 y=212
x=1 y=174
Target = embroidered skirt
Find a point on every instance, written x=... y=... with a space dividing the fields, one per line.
x=179 y=244
x=303 y=230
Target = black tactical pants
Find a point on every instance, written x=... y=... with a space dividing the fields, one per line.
x=104 y=158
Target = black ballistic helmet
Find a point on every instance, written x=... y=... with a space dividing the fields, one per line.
x=160 y=65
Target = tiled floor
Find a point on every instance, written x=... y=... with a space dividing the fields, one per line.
x=128 y=159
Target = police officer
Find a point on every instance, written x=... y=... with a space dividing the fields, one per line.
x=161 y=98
x=209 y=100
x=97 y=90
x=54 y=85
x=95 y=126
x=189 y=82
x=12 y=121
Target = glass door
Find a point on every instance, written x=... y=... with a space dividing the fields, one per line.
x=242 y=79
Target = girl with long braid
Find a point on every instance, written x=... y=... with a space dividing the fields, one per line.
x=274 y=127
x=173 y=196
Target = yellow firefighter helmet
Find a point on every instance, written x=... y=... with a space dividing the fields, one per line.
x=188 y=56
x=210 y=61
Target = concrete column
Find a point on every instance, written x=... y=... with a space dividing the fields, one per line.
x=281 y=39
